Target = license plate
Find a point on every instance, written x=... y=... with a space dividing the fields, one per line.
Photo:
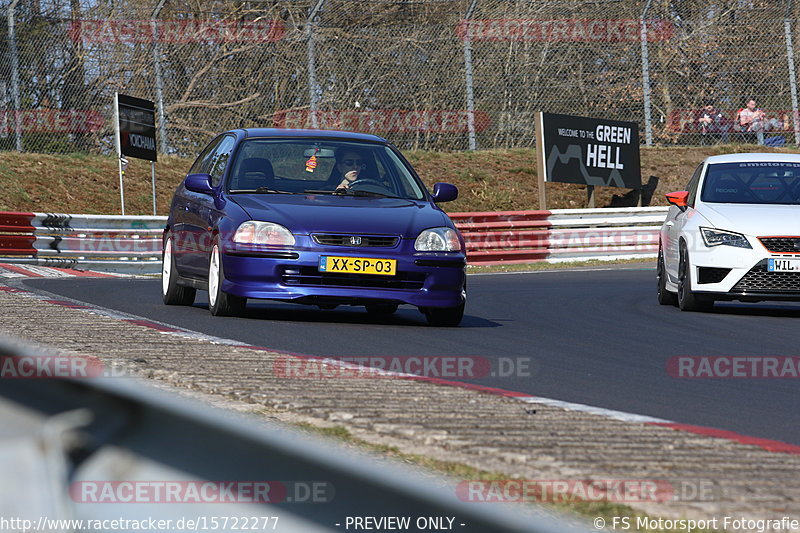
x=358 y=265
x=783 y=265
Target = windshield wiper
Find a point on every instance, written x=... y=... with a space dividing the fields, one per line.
x=260 y=190
x=351 y=192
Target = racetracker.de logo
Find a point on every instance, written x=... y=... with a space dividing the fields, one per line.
x=384 y=120
x=50 y=366
x=563 y=30
x=733 y=367
x=585 y=239
x=50 y=121
x=202 y=492
x=177 y=492
x=176 y=31
x=422 y=367
x=565 y=490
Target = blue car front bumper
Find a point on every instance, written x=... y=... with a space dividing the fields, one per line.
x=432 y=279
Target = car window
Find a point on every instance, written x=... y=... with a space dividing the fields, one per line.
x=692 y=185
x=203 y=162
x=297 y=165
x=219 y=159
x=753 y=183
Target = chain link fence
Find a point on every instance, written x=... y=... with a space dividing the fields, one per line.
x=427 y=74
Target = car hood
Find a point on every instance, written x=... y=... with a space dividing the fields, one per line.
x=311 y=213
x=753 y=219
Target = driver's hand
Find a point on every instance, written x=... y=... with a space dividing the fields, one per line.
x=348 y=178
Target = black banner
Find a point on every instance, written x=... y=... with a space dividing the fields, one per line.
x=591 y=151
x=137 y=127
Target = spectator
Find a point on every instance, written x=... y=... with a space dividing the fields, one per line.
x=751 y=123
x=712 y=125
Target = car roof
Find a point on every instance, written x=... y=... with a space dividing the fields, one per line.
x=744 y=158
x=321 y=134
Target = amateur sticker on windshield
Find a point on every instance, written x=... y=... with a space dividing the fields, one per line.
x=358 y=265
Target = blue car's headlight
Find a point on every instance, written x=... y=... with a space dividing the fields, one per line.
x=254 y=232
x=438 y=240
x=717 y=237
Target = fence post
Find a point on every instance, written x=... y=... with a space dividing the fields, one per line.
x=162 y=119
x=787 y=27
x=648 y=119
x=473 y=144
x=12 y=45
x=313 y=92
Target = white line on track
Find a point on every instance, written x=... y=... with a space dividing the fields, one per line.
x=608 y=413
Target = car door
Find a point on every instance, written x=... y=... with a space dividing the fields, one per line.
x=201 y=213
x=183 y=212
x=675 y=222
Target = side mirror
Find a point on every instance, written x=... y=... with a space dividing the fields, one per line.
x=444 y=192
x=679 y=199
x=198 y=183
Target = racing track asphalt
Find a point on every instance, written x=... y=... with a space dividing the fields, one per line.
x=595 y=337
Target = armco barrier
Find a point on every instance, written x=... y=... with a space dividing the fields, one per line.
x=133 y=243
x=560 y=235
x=99 y=242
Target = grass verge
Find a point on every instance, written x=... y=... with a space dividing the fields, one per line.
x=488 y=180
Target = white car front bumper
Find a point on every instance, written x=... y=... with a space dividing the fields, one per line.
x=741 y=273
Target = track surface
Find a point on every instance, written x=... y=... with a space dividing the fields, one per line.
x=595 y=337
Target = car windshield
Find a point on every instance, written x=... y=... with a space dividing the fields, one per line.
x=320 y=166
x=753 y=183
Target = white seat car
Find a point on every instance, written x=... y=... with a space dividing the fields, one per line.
x=733 y=234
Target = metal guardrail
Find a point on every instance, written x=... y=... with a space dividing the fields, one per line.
x=60 y=435
x=560 y=234
x=132 y=244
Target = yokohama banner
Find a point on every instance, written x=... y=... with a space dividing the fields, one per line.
x=137 y=127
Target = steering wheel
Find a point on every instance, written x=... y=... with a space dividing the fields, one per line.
x=374 y=183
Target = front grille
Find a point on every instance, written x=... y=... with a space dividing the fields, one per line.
x=712 y=274
x=759 y=280
x=312 y=276
x=781 y=245
x=383 y=241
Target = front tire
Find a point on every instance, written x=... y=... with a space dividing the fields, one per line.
x=221 y=303
x=688 y=300
x=445 y=316
x=171 y=292
x=665 y=297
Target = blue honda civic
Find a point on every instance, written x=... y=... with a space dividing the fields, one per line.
x=324 y=218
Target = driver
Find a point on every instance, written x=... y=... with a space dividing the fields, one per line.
x=351 y=165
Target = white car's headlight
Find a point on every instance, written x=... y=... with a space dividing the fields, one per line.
x=438 y=240
x=254 y=232
x=717 y=237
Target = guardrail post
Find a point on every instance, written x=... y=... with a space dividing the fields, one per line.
x=313 y=89
x=12 y=50
x=648 y=119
